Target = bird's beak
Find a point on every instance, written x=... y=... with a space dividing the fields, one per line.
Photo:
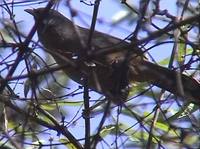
x=30 y=11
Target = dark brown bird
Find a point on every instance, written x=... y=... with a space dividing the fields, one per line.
x=108 y=74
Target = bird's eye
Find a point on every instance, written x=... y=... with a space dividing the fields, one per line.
x=75 y=57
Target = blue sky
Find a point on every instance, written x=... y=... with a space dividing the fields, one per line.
x=106 y=12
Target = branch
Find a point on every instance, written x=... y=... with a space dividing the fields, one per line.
x=57 y=127
x=152 y=36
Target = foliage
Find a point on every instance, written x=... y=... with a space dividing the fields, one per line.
x=40 y=108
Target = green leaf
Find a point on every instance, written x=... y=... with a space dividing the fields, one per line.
x=164 y=62
x=107 y=130
x=166 y=128
x=181 y=52
x=185 y=110
x=48 y=107
x=44 y=118
x=52 y=106
x=189 y=51
x=68 y=144
x=136 y=135
x=70 y=103
x=137 y=88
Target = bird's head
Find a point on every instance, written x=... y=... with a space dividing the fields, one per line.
x=44 y=16
x=55 y=31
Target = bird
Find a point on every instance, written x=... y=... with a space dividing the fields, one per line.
x=110 y=74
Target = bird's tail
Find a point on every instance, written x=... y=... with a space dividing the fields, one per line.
x=170 y=80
